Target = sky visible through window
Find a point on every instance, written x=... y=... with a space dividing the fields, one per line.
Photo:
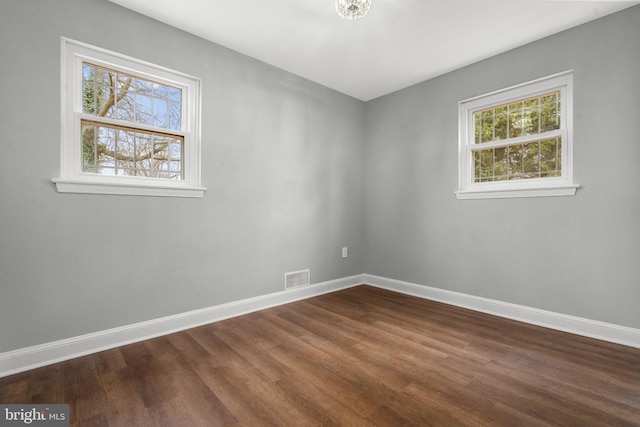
x=113 y=143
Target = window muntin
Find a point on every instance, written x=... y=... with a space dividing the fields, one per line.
x=113 y=150
x=128 y=126
x=530 y=160
x=526 y=159
x=525 y=117
x=110 y=96
x=516 y=140
x=122 y=96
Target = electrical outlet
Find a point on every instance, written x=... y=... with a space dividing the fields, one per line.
x=344 y=252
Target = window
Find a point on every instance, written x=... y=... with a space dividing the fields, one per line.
x=128 y=127
x=517 y=142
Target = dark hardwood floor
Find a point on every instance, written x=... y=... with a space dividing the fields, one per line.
x=358 y=357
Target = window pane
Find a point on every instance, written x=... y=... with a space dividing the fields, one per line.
x=527 y=117
x=550 y=157
x=143 y=86
x=487 y=126
x=96 y=91
x=500 y=124
x=477 y=126
x=144 y=108
x=88 y=97
x=484 y=165
x=477 y=165
x=537 y=159
x=515 y=162
x=125 y=107
x=534 y=121
x=486 y=174
x=109 y=150
x=500 y=164
x=175 y=150
x=515 y=120
x=175 y=116
x=550 y=116
x=530 y=159
x=161 y=112
x=175 y=95
x=107 y=93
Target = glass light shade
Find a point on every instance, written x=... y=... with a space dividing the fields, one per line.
x=352 y=9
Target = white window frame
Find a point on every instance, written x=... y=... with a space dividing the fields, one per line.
x=72 y=179
x=562 y=185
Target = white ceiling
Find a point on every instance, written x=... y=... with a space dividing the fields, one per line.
x=397 y=44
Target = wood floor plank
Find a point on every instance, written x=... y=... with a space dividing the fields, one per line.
x=322 y=408
x=362 y=356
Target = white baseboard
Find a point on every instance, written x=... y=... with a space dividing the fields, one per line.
x=575 y=325
x=20 y=360
x=24 y=359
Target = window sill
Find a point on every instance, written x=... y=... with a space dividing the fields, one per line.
x=551 y=191
x=127 y=189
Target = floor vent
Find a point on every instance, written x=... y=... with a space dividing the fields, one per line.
x=294 y=279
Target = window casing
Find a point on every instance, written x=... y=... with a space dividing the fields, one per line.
x=517 y=142
x=128 y=127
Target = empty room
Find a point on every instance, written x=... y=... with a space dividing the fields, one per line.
x=319 y=212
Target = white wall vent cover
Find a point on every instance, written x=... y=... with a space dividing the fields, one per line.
x=296 y=278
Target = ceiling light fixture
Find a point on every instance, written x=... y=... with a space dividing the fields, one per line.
x=352 y=9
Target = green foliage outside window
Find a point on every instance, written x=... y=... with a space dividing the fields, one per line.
x=533 y=159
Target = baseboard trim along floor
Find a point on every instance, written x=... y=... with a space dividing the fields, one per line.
x=548 y=319
x=20 y=360
x=24 y=359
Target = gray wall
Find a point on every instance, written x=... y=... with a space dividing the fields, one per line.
x=576 y=255
x=282 y=161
